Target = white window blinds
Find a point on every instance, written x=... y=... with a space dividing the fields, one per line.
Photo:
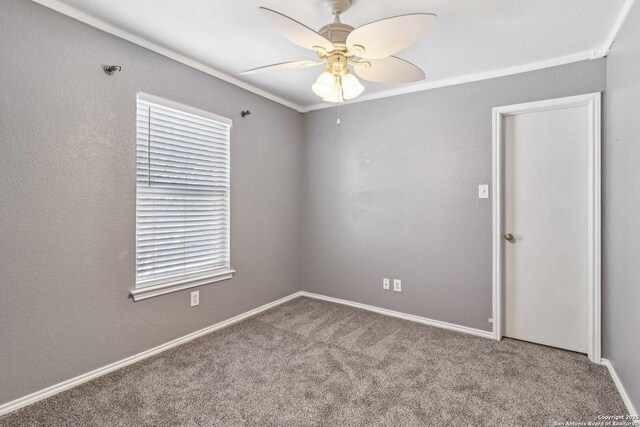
x=182 y=209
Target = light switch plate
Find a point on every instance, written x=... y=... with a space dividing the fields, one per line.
x=397 y=285
x=483 y=191
x=385 y=284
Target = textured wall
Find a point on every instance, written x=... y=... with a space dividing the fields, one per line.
x=393 y=192
x=621 y=251
x=67 y=200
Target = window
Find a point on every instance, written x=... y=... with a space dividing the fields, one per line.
x=182 y=197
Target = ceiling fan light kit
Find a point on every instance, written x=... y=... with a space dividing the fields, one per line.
x=324 y=85
x=367 y=49
x=351 y=87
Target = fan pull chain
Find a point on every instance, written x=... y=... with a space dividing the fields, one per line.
x=338 y=121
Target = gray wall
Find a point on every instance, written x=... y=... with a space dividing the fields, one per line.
x=67 y=200
x=390 y=193
x=393 y=192
x=621 y=284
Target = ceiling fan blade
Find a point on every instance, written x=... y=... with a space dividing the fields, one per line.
x=386 y=37
x=296 y=32
x=388 y=70
x=293 y=65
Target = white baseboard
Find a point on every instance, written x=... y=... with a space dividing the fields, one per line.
x=65 y=385
x=623 y=393
x=485 y=334
x=411 y=317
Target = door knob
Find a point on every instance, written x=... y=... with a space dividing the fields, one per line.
x=508 y=236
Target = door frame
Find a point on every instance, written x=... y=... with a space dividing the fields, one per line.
x=593 y=103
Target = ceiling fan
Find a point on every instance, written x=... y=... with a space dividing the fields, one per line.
x=368 y=49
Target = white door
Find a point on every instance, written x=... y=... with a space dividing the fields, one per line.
x=546 y=226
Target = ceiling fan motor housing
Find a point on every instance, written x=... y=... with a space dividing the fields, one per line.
x=337 y=33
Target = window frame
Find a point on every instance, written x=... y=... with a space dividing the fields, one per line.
x=155 y=287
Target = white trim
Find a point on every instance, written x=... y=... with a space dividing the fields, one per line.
x=405 y=316
x=497 y=188
x=140 y=41
x=150 y=291
x=626 y=9
x=65 y=385
x=80 y=379
x=182 y=108
x=155 y=287
x=469 y=78
x=592 y=101
x=623 y=393
x=594 y=233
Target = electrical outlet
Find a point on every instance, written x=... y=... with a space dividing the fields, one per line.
x=490 y=320
x=195 y=298
x=385 y=284
x=397 y=285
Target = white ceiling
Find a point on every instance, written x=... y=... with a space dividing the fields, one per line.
x=472 y=39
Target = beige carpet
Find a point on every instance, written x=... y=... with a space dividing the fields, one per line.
x=310 y=362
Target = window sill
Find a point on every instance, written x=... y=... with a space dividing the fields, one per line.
x=179 y=285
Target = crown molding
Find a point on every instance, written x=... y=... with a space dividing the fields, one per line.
x=626 y=9
x=140 y=41
x=469 y=78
